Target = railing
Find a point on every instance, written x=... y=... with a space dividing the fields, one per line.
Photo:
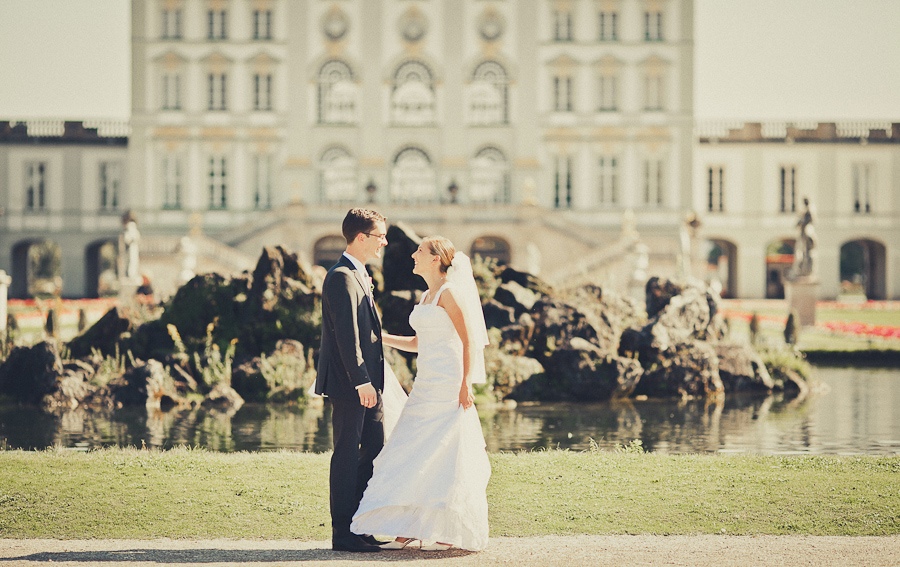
x=67 y=129
x=779 y=130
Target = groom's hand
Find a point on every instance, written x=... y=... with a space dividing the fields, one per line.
x=367 y=395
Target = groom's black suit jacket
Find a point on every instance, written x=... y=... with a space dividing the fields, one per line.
x=351 y=353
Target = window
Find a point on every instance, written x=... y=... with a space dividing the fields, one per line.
x=562 y=93
x=218 y=184
x=262 y=24
x=653 y=92
x=609 y=26
x=262 y=181
x=337 y=94
x=653 y=182
x=862 y=188
x=608 y=180
x=488 y=96
x=715 y=202
x=562 y=183
x=492 y=247
x=35 y=186
x=608 y=93
x=328 y=250
x=262 y=91
x=110 y=181
x=412 y=177
x=413 y=100
x=217 y=24
x=171 y=182
x=337 y=178
x=217 y=90
x=562 y=24
x=489 y=177
x=171 y=91
x=788 y=189
x=171 y=23
x=653 y=25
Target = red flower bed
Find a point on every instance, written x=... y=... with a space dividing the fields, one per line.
x=883 y=331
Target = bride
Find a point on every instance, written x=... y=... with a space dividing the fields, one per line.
x=430 y=479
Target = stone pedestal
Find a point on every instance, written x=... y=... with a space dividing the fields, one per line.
x=801 y=294
x=5 y=280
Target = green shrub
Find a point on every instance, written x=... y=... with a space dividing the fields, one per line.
x=108 y=368
x=485 y=271
x=214 y=366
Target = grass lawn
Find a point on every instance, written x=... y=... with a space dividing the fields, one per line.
x=185 y=493
x=773 y=315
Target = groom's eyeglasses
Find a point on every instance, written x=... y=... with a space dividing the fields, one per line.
x=378 y=236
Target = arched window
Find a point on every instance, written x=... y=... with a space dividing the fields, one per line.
x=721 y=265
x=328 y=249
x=337 y=178
x=337 y=94
x=491 y=247
x=490 y=177
x=488 y=95
x=412 y=177
x=412 y=99
x=101 y=259
x=37 y=269
x=863 y=269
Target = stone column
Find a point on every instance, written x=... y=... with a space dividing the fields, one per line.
x=5 y=280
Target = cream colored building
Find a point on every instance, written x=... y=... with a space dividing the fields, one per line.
x=556 y=135
x=524 y=129
x=750 y=181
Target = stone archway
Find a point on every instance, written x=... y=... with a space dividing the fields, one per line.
x=863 y=269
x=101 y=261
x=779 y=259
x=721 y=265
x=36 y=269
x=492 y=247
x=328 y=249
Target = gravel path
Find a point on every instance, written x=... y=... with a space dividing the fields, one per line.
x=568 y=551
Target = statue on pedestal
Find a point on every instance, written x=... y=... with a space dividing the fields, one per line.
x=806 y=241
x=131 y=238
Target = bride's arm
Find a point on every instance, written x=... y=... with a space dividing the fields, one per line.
x=408 y=344
x=459 y=323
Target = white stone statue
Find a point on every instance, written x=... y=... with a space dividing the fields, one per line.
x=188 y=250
x=131 y=238
x=5 y=280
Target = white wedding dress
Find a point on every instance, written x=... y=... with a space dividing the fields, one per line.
x=431 y=477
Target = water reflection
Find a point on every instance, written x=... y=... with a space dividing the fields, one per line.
x=857 y=416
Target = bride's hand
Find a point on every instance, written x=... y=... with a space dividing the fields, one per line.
x=465 y=397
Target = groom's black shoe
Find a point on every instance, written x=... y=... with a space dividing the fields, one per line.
x=352 y=543
x=371 y=539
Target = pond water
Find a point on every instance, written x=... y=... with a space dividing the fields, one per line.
x=858 y=413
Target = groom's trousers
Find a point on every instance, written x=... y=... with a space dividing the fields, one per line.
x=358 y=438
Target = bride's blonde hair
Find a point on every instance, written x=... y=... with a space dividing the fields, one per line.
x=442 y=248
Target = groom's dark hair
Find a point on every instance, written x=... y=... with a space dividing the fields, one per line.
x=358 y=221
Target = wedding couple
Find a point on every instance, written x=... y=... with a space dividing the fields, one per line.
x=415 y=470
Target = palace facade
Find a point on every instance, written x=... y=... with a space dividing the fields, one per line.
x=556 y=135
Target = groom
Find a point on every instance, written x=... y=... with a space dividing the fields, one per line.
x=351 y=373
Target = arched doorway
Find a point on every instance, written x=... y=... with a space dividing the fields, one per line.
x=491 y=247
x=101 y=260
x=328 y=249
x=779 y=259
x=863 y=272
x=36 y=269
x=721 y=265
